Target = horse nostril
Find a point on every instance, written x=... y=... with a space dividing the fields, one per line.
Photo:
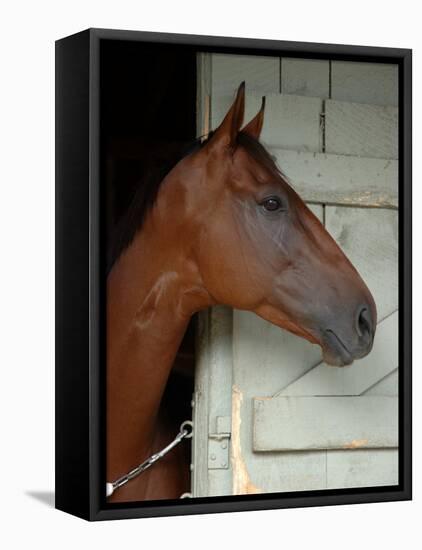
x=364 y=323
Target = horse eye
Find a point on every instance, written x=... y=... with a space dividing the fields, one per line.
x=272 y=204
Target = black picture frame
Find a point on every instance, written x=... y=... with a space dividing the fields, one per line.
x=80 y=283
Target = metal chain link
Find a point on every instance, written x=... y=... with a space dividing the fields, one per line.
x=184 y=433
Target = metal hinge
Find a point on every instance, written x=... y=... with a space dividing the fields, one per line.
x=219 y=444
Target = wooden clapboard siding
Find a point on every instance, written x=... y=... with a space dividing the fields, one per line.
x=291 y=122
x=361 y=130
x=288 y=423
x=340 y=179
x=305 y=77
x=261 y=74
x=374 y=83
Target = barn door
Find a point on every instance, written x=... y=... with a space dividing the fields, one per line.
x=269 y=414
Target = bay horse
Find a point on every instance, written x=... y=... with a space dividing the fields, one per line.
x=222 y=227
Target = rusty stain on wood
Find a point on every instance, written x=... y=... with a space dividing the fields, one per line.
x=241 y=480
x=356 y=444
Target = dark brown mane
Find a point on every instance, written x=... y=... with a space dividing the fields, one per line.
x=147 y=191
x=143 y=199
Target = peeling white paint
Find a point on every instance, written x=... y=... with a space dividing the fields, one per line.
x=242 y=483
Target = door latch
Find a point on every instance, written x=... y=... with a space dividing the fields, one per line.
x=219 y=444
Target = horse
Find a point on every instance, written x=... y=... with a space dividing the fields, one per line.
x=222 y=227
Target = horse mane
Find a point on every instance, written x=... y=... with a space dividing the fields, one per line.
x=147 y=191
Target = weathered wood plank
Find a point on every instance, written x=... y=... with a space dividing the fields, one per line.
x=361 y=130
x=340 y=179
x=213 y=381
x=389 y=385
x=267 y=358
x=261 y=73
x=357 y=378
x=311 y=423
x=289 y=471
x=369 y=237
x=362 y=468
x=199 y=481
x=203 y=93
x=374 y=83
x=291 y=122
x=312 y=470
x=305 y=77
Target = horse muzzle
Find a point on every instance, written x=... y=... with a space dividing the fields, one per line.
x=341 y=346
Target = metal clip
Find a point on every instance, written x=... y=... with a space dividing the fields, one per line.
x=186 y=432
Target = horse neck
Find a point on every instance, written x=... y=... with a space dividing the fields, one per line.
x=150 y=300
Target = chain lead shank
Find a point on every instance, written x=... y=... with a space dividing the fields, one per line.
x=184 y=433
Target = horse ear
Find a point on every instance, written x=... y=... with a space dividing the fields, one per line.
x=225 y=135
x=254 y=127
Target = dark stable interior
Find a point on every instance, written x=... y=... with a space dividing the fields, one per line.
x=148 y=109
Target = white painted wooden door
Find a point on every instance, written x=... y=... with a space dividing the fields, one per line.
x=269 y=414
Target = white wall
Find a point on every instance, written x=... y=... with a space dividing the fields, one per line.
x=26 y=287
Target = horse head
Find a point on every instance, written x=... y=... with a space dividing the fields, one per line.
x=258 y=247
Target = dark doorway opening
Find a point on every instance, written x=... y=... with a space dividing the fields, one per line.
x=147 y=112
